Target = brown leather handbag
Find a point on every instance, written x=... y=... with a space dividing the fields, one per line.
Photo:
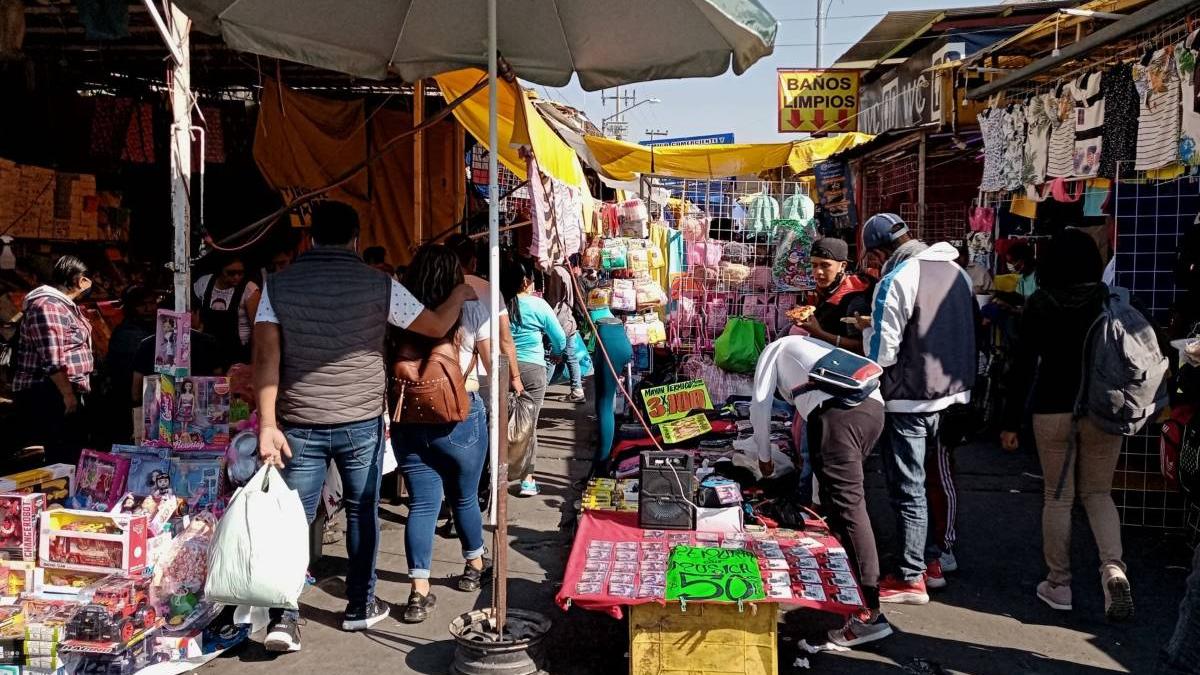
x=427 y=383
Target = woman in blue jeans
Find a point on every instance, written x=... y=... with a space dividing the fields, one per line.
x=532 y=320
x=444 y=459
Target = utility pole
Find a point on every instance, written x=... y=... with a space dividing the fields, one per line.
x=819 y=2
x=656 y=132
x=178 y=39
x=617 y=127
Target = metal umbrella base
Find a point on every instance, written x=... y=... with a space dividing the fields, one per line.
x=518 y=652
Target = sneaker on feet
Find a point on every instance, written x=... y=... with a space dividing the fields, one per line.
x=1118 y=598
x=949 y=562
x=896 y=591
x=1058 y=597
x=362 y=617
x=472 y=578
x=529 y=488
x=418 y=607
x=283 y=636
x=576 y=396
x=860 y=629
x=934 y=578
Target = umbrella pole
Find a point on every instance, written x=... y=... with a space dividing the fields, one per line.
x=499 y=464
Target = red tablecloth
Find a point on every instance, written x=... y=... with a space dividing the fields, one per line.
x=622 y=527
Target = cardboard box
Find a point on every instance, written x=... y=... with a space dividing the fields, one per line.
x=663 y=639
x=64 y=582
x=188 y=645
x=19 y=522
x=54 y=481
x=93 y=542
x=16 y=578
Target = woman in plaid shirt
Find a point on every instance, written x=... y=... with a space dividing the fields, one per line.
x=54 y=361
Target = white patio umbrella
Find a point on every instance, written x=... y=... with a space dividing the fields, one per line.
x=606 y=43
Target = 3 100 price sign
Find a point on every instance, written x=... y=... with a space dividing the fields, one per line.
x=675 y=401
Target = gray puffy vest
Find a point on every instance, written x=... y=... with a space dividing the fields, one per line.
x=333 y=312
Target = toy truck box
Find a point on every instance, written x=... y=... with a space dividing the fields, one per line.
x=93 y=542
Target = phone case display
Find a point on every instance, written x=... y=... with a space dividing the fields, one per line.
x=173 y=343
x=196 y=478
x=149 y=470
x=99 y=481
x=19 y=520
x=53 y=481
x=118 y=612
x=16 y=577
x=202 y=413
x=181 y=571
x=93 y=542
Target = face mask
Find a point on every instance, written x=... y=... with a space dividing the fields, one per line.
x=86 y=292
x=1011 y=267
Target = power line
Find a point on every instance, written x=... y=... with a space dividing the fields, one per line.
x=832 y=18
x=921 y=37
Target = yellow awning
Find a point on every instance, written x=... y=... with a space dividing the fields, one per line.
x=518 y=125
x=622 y=160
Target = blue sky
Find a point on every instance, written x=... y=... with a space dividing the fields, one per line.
x=746 y=105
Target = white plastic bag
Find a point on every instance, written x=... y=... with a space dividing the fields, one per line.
x=259 y=553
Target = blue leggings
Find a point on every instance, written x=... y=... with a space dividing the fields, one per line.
x=612 y=335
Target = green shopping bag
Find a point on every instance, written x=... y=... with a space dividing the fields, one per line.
x=740 y=344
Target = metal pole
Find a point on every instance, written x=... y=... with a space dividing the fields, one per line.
x=819 y=32
x=499 y=463
x=419 y=163
x=921 y=186
x=181 y=158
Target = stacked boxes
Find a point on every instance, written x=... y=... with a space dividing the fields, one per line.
x=43 y=204
x=75 y=207
x=34 y=206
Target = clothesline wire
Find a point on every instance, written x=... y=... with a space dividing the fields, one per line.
x=933 y=36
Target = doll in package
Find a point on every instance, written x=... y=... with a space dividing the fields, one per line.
x=99 y=480
x=173 y=343
x=149 y=470
x=196 y=478
x=202 y=413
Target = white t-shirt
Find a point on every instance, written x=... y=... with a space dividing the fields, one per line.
x=403 y=311
x=221 y=298
x=474 y=327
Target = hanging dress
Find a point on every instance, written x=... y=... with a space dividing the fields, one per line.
x=1014 y=148
x=1037 y=143
x=992 y=123
x=1189 y=126
x=1089 y=125
x=1119 y=139
x=1062 y=134
x=1157 y=81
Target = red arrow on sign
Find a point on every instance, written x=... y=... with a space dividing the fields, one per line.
x=819 y=119
x=843 y=118
x=796 y=119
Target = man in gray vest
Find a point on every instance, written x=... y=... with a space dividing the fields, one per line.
x=320 y=380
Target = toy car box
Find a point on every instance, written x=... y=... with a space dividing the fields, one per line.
x=59 y=582
x=54 y=481
x=19 y=520
x=16 y=578
x=93 y=542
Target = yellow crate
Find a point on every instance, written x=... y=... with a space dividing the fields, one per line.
x=713 y=639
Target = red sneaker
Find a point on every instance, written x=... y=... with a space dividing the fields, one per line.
x=934 y=579
x=896 y=591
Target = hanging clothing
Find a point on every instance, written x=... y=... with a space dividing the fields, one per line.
x=1011 y=169
x=1157 y=81
x=992 y=123
x=660 y=238
x=798 y=207
x=1189 y=125
x=556 y=215
x=1089 y=124
x=1062 y=134
x=763 y=211
x=1119 y=138
x=1037 y=143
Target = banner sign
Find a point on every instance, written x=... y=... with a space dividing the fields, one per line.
x=713 y=574
x=684 y=429
x=835 y=195
x=817 y=100
x=708 y=139
x=673 y=401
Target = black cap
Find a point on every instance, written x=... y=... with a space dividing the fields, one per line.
x=831 y=248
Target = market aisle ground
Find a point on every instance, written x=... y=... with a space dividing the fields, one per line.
x=988 y=621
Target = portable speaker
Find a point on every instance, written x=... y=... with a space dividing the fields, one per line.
x=667 y=487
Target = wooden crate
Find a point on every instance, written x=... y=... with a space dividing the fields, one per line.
x=707 y=639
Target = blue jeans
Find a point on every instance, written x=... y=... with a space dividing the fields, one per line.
x=570 y=362
x=1182 y=652
x=907 y=436
x=437 y=459
x=357 y=451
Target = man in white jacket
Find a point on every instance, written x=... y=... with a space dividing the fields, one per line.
x=841 y=432
x=922 y=331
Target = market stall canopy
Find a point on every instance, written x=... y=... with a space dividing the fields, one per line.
x=623 y=160
x=608 y=43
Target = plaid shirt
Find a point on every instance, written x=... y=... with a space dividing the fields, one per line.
x=54 y=336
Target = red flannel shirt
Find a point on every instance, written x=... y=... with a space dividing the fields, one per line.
x=54 y=336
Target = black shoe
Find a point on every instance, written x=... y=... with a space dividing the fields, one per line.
x=283 y=636
x=419 y=607
x=362 y=617
x=472 y=578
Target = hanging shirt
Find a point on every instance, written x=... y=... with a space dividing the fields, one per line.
x=991 y=124
x=1157 y=82
x=1037 y=143
x=1089 y=124
x=763 y=210
x=798 y=207
x=1119 y=138
x=1014 y=148
x=1062 y=135
x=1189 y=126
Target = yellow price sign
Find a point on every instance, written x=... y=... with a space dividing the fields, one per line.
x=673 y=401
x=817 y=100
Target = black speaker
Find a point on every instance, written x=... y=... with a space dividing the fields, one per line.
x=667 y=487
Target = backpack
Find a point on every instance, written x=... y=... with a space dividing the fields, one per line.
x=849 y=378
x=1125 y=381
x=1179 y=450
x=427 y=383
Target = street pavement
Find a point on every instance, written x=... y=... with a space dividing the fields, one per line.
x=987 y=621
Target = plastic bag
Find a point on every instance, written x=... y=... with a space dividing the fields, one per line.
x=522 y=422
x=740 y=344
x=259 y=553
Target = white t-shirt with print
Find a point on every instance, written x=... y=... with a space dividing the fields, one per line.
x=402 y=310
x=221 y=298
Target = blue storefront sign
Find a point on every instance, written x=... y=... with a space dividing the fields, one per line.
x=709 y=139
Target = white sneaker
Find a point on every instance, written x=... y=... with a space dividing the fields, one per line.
x=949 y=562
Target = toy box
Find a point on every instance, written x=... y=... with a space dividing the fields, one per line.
x=180 y=646
x=16 y=578
x=149 y=408
x=19 y=518
x=54 y=481
x=99 y=481
x=93 y=542
x=173 y=343
x=196 y=478
x=160 y=510
x=120 y=611
x=202 y=413
x=50 y=581
x=45 y=625
x=149 y=469
x=166 y=404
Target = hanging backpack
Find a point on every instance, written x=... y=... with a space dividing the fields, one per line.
x=740 y=344
x=1125 y=382
x=1179 y=451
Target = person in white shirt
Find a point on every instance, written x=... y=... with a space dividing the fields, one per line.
x=841 y=432
x=228 y=302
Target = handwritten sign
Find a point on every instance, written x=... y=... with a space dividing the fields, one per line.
x=681 y=430
x=713 y=574
x=673 y=401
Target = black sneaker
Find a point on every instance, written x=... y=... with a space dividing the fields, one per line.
x=419 y=607
x=472 y=578
x=283 y=636
x=362 y=617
